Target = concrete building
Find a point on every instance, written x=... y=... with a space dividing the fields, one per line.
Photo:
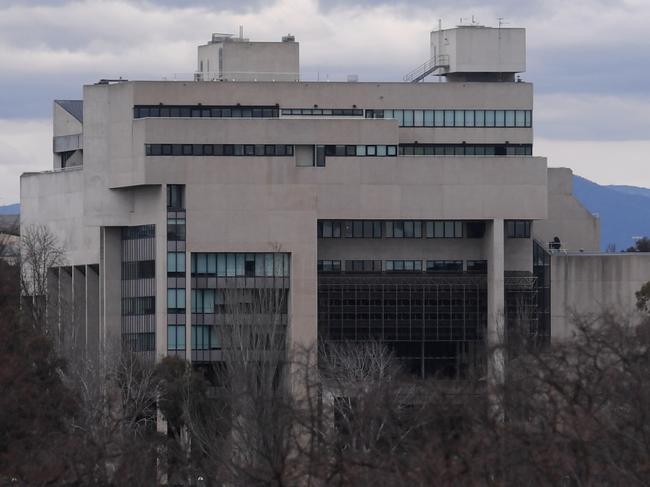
x=410 y=213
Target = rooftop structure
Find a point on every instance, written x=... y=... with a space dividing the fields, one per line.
x=229 y=58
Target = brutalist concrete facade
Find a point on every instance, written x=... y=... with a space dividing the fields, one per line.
x=393 y=184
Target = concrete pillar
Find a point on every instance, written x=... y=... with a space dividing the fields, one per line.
x=110 y=292
x=51 y=308
x=79 y=309
x=496 y=313
x=92 y=314
x=66 y=330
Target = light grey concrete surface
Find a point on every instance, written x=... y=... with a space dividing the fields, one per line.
x=591 y=283
x=567 y=219
x=478 y=49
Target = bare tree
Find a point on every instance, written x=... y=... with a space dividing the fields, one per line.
x=40 y=253
x=116 y=421
x=244 y=433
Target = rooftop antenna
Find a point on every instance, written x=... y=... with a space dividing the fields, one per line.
x=502 y=22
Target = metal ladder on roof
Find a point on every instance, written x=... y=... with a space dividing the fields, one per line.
x=424 y=70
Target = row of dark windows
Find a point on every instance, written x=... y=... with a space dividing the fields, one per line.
x=139 y=306
x=323 y=151
x=355 y=151
x=415 y=229
x=466 y=150
x=400 y=229
x=142 y=231
x=401 y=265
x=139 y=342
x=142 y=269
x=241 y=265
x=405 y=118
x=202 y=111
x=324 y=112
x=275 y=150
x=456 y=118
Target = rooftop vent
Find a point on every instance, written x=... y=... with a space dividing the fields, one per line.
x=289 y=38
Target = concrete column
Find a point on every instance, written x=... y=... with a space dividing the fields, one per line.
x=92 y=314
x=110 y=324
x=52 y=306
x=496 y=315
x=79 y=309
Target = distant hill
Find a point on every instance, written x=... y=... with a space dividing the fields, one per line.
x=630 y=190
x=10 y=209
x=624 y=210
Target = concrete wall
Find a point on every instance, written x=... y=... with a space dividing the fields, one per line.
x=261 y=61
x=63 y=123
x=249 y=61
x=332 y=95
x=567 y=219
x=476 y=49
x=584 y=283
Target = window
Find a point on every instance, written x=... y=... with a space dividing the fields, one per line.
x=329 y=266
x=465 y=149
x=138 y=306
x=489 y=118
x=204 y=337
x=240 y=264
x=520 y=118
x=475 y=229
x=517 y=228
x=408 y=118
x=459 y=118
x=403 y=266
x=499 y=118
x=176 y=262
x=479 y=118
x=478 y=266
x=449 y=118
x=142 y=269
x=469 y=118
x=428 y=118
x=444 y=265
x=175 y=229
x=203 y=300
x=439 y=119
x=175 y=299
x=320 y=156
x=175 y=337
x=248 y=150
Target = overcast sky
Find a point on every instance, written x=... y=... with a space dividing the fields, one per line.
x=589 y=61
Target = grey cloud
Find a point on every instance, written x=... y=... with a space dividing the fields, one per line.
x=504 y=8
x=508 y=9
x=621 y=70
x=232 y=5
